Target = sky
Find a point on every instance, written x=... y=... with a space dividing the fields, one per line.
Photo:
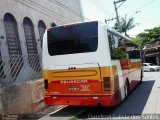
x=146 y=13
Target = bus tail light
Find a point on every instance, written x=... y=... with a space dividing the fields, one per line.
x=68 y=26
x=46 y=84
x=107 y=84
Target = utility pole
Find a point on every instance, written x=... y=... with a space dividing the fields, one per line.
x=115 y=2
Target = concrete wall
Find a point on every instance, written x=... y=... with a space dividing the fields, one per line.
x=22 y=99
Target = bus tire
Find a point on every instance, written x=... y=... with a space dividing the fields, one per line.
x=126 y=88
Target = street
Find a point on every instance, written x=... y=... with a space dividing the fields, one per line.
x=145 y=99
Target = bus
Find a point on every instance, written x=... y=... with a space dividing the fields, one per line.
x=89 y=64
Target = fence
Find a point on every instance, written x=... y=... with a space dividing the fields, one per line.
x=19 y=69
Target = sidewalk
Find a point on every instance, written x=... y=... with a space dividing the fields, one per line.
x=39 y=114
x=33 y=116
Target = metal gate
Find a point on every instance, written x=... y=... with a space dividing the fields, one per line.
x=2 y=75
x=26 y=73
x=31 y=44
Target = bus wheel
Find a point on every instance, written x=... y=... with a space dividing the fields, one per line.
x=126 y=89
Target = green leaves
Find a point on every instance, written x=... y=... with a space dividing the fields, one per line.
x=149 y=36
x=118 y=54
x=125 y=25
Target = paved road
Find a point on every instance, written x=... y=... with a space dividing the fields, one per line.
x=145 y=99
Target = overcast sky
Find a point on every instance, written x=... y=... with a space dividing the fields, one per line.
x=148 y=15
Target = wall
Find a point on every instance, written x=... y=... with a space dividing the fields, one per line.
x=22 y=99
x=49 y=11
x=28 y=97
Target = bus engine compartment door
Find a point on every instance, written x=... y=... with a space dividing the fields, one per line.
x=75 y=79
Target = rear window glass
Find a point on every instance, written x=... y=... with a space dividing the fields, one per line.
x=71 y=39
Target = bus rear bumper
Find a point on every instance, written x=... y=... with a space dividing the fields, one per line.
x=105 y=100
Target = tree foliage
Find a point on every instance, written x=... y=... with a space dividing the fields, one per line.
x=138 y=41
x=125 y=25
x=150 y=36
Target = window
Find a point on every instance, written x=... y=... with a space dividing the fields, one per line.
x=12 y=36
x=121 y=48
x=14 y=48
x=71 y=39
x=30 y=36
x=117 y=46
x=31 y=44
x=133 y=50
x=144 y=65
x=41 y=28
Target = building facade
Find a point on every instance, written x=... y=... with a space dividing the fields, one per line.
x=152 y=54
x=22 y=25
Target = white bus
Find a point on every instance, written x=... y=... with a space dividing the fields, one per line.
x=89 y=64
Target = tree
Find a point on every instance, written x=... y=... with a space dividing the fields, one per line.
x=125 y=25
x=149 y=36
x=138 y=41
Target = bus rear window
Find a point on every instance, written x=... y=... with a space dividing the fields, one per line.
x=71 y=39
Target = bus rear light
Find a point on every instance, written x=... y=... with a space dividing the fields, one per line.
x=68 y=26
x=46 y=84
x=107 y=84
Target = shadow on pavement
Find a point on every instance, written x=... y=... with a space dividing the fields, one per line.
x=133 y=105
x=68 y=111
x=137 y=100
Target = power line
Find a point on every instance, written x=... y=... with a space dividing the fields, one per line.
x=98 y=6
x=155 y=20
x=120 y=4
x=103 y=8
x=143 y=6
x=69 y=9
x=64 y=7
x=59 y=16
x=51 y=10
x=37 y=10
x=146 y=4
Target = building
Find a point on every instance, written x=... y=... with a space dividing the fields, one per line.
x=152 y=54
x=22 y=25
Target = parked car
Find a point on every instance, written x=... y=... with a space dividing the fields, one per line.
x=150 y=67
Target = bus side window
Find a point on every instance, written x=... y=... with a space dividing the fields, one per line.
x=133 y=51
x=116 y=45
